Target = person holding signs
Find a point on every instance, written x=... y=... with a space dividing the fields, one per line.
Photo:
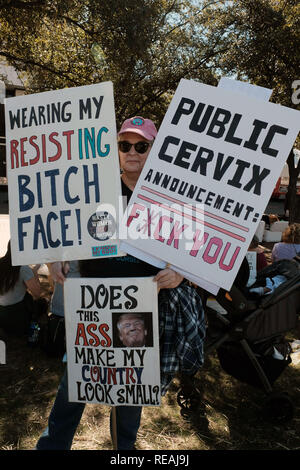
x=134 y=142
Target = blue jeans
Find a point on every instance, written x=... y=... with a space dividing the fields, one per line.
x=65 y=417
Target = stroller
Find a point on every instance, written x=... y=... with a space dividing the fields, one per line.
x=250 y=338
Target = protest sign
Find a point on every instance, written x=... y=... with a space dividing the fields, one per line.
x=63 y=174
x=252 y=261
x=5 y=233
x=112 y=341
x=237 y=86
x=208 y=179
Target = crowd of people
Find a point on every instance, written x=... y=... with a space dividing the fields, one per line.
x=20 y=289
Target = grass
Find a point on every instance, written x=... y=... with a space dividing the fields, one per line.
x=228 y=416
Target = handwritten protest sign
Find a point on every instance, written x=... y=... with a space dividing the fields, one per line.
x=208 y=179
x=62 y=168
x=112 y=341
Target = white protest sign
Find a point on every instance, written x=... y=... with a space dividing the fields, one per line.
x=252 y=261
x=162 y=265
x=237 y=86
x=63 y=174
x=5 y=233
x=112 y=341
x=208 y=179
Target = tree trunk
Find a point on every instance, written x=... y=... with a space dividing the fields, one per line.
x=292 y=201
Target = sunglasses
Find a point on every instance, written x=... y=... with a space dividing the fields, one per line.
x=140 y=147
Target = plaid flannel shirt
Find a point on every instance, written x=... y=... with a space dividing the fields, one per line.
x=182 y=333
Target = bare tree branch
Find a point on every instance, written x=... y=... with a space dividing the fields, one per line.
x=78 y=25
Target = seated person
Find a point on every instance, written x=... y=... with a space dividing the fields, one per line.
x=289 y=247
x=19 y=287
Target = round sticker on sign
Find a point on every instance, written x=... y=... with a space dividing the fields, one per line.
x=137 y=121
x=101 y=225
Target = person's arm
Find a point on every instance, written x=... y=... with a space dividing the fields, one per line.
x=36 y=268
x=58 y=271
x=34 y=287
x=168 y=279
x=274 y=253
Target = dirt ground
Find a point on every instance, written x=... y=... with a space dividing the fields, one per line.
x=228 y=415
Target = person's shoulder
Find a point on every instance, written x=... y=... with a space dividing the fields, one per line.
x=74 y=266
x=26 y=269
x=277 y=245
x=26 y=272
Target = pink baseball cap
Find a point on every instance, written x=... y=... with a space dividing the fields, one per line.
x=141 y=126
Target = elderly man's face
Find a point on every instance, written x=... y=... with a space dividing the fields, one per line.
x=132 y=331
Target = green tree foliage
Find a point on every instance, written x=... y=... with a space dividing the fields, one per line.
x=146 y=47
x=143 y=47
x=264 y=38
x=265 y=44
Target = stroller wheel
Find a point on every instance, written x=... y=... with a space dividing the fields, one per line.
x=278 y=408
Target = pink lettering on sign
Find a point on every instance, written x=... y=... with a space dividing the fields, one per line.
x=216 y=250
